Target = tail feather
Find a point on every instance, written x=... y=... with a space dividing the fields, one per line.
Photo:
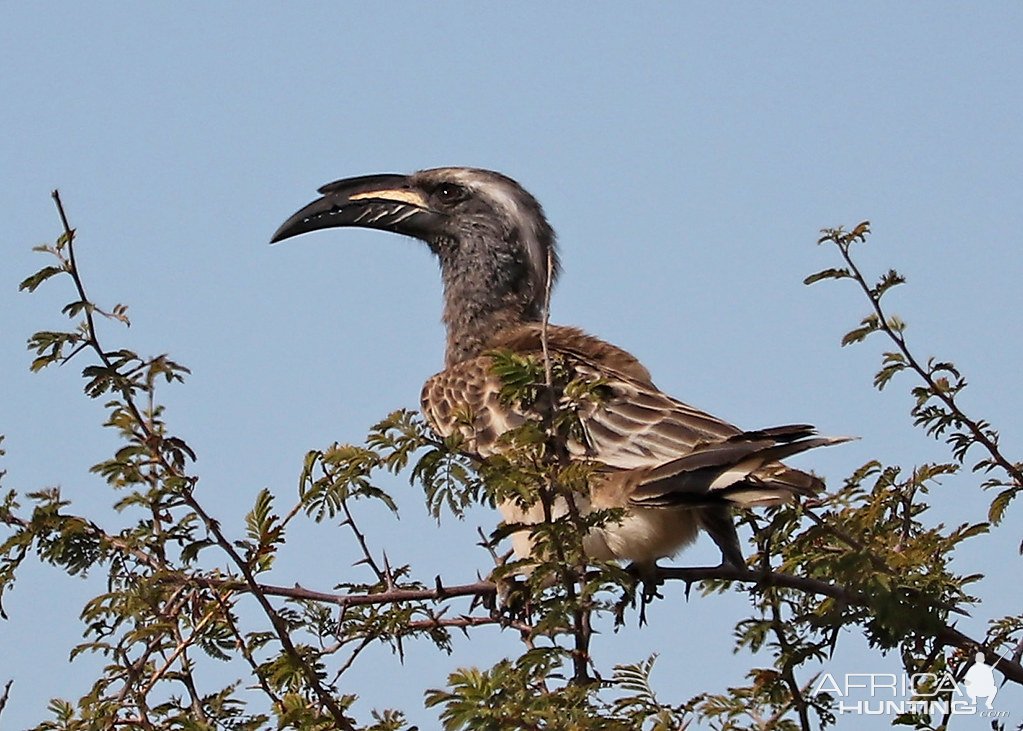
x=744 y=470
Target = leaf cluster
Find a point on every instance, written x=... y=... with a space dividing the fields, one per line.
x=936 y=406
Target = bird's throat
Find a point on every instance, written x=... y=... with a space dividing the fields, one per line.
x=472 y=325
x=481 y=300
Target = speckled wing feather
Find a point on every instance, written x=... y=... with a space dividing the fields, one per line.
x=635 y=426
x=678 y=452
x=466 y=398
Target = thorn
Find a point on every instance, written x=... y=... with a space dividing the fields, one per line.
x=389 y=576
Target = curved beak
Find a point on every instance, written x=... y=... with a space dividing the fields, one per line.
x=385 y=202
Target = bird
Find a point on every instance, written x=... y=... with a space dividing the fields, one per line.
x=669 y=468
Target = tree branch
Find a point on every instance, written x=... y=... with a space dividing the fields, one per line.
x=946 y=635
x=151 y=439
x=478 y=589
x=943 y=394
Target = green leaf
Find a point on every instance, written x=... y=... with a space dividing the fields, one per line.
x=64 y=239
x=29 y=284
x=842 y=273
x=259 y=521
x=73 y=308
x=869 y=324
x=896 y=323
x=893 y=363
x=888 y=280
x=1000 y=503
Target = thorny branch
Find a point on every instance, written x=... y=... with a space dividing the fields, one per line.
x=946 y=635
x=936 y=389
x=787 y=671
x=367 y=557
x=186 y=678
x=244 y=648
x=582 y=630
x=151 y=438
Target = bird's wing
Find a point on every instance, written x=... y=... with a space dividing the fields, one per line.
x=633 y=424
x=666 y=453
x=637 y=425
x=465 y=399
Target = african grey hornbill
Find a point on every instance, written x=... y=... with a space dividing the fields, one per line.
x=673 y=468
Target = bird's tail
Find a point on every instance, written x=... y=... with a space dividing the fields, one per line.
x=743 y=470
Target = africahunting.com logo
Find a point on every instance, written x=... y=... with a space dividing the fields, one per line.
x=884 y=694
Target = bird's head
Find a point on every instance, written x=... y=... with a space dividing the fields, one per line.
x=491 y=236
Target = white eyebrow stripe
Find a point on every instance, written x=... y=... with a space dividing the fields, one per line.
x=392 y=194
x=506 y=199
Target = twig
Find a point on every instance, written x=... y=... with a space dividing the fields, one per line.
x=582 y=630
x=979 y=436
x=178 y=651
x=788 y=673
x=480 y=588
x=244 y=649
x=171 y=609
x=361 y=539
x=546 y=317
x=105 y=538
x=347 y=664
x=467 y=621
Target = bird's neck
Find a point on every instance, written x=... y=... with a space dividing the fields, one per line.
x=484 y=295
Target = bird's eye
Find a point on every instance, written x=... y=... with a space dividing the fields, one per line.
x=451 y=193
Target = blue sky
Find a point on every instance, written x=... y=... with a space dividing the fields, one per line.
x=687 y=155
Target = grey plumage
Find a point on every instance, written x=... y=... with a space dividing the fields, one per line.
x=674 y=469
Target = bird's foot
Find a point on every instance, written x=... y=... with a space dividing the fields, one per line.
x=512 y=599
x=650 y=584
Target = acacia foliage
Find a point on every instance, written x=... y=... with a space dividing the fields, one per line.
x=183 y=590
